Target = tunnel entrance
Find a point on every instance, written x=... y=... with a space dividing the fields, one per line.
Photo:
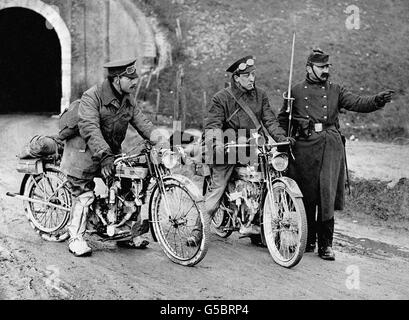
x=30 y=63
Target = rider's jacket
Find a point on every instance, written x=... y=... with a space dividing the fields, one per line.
x=319 y=165
x=224 y=113
x=103 y=122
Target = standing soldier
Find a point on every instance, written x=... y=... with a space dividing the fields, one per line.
x=319 y=166
x=104 y=112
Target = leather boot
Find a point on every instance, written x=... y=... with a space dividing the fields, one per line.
x=249 y=230
x=325 y=237
x=196 y=235
x=326 y=253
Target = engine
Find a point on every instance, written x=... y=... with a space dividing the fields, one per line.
x=244 y=193
x=115 y=212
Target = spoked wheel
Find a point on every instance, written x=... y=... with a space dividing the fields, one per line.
x=175 y=215
x=47 y=220
x=285 y=226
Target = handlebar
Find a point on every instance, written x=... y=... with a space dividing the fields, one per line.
x=235 y=145
x=124 y=157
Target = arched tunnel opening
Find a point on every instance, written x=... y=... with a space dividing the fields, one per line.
x=30 y=63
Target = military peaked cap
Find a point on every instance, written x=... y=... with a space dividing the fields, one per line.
x=243 y=65
x=318 y=58
x=125 y=68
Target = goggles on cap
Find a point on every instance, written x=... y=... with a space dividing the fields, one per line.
x=128 y=71
x=242 y=66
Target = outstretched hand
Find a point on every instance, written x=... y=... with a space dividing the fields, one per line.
x=385 y=96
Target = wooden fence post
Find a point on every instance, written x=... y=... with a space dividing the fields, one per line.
x=204 y=108
x=182 y=98
x=176 y=104
x=157 y=103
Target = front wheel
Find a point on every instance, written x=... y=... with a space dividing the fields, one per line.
x=175 y=215
x=285 y=225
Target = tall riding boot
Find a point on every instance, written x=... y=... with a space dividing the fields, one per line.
x=77 y=225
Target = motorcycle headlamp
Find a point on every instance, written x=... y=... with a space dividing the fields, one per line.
x=279 y=161
x=170 y=159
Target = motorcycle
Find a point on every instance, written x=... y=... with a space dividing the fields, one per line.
x=173 y=202
x=263 y=204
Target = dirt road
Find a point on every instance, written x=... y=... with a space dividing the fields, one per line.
x=371 y=262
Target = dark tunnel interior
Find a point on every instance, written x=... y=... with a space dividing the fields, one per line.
x=30 y=63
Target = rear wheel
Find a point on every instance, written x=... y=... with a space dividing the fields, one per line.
x=175 y=215
x=285 y=226
x=48 y=221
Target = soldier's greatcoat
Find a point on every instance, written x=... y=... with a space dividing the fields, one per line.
x=225 y=114
x=319 y=166
x=103 y=122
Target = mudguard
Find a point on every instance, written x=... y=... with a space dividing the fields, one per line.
x=189 y=184
x=292 y=186
x=180 y=179
x=23 y=183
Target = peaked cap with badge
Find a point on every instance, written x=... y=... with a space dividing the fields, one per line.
x=125 y=68
x=243 y=65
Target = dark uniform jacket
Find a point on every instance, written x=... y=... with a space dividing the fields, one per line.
x=103 y=123
x=319 y=166
x=224 y=113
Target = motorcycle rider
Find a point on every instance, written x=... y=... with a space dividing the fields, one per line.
x=104 y=112
x=319 y=165
x=225 y=113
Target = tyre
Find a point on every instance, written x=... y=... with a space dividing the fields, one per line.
x=174 y=214
x=285 y=226
x=48 y=221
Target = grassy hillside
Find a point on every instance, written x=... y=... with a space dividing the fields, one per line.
x=368 y=60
